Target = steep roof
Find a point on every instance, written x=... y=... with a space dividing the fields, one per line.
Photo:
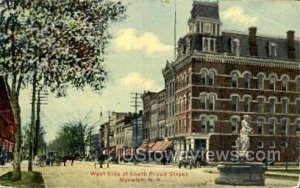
x=205 y=9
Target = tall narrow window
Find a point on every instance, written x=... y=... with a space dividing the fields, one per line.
x=212 y=45
x=284 y=106
x=211 y=102
x=298 y=106
x=198 y=27
x=203 y=101
x=272 y=82
x=298 y=126
x=212 y=121
x=260 y=78
x=234 y=80
x=260 y=126
x=203 y=75
x=272 y=49
x=247 y=78
x=236 y=47
x=272 y=105
x=261 y=104
x=203 y=124
x=211 y=78
x=298 y=84
x=205 y=47
x=234 y=103
x=247 y=101
x=272 y=126
x=234 y=124
x=284 y=84
x=284 y=124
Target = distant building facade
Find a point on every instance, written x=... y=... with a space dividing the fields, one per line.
x=220 y=76
x=7 y=124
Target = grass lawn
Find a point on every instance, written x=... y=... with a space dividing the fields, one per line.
x=29 y=179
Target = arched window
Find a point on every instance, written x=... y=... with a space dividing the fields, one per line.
x=234 y=124
x=203 y=120
x=234 y=80
x=211 y=102
x=212 y=122
x=203 y=75
x=247 y=101
x=211 y=78
x=284 y=126
x=284 y=83
x=260 y=79
x=260 y=104
x=234 y=103
x=272 y=125
x=272 y=82
x=203 y=99
x=247 y=78
x=272 y=104
x=284 y=105
x=212 y=45
x=260 y=125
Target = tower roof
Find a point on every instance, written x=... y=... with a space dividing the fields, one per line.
x=205 y=9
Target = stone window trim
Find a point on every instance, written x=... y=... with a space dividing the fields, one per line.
x=285 y=82
x=272 y=119
x=206 y=44
x=247 y=76
x=297 y=124
x=235 y=75
x=271 y=77
x=239 y=99
x=263 y=76
x=272 y=49
x=263 y=121
x=235 y=46
x=288 y=103
x=286 y=131
x=238 y=121
x=276 y=101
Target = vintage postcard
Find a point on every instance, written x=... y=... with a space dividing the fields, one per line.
x=149 y=93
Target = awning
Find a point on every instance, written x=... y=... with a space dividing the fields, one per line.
x=150 y=145
x=157 y=146
x=166 y=145
x=144 y=145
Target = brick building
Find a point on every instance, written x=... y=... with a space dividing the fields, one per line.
x=7 y=125
x=220 y=76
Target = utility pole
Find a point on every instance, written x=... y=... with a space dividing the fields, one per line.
x=41 y=98
x=32 y=125
x=136 y=103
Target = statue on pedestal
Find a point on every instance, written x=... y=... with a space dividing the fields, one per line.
x=243 y=142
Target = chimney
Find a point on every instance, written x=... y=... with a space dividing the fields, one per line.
x=291 y=45
x=252 y=41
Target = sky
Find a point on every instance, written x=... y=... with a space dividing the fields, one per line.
x=141 y=45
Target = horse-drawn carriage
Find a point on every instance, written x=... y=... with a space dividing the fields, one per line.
x=191 y=159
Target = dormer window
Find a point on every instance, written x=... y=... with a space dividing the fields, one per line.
x=209 y=44
x=272 y=49
x=235 y=47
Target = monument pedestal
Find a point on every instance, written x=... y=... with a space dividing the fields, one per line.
x=241 y=174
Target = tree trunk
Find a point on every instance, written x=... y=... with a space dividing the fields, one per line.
x=18 y=138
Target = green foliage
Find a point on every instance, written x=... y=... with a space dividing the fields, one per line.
x=72 y=138
x=64 y=41
x=29 y=179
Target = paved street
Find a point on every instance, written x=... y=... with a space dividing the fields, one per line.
x=84 y=174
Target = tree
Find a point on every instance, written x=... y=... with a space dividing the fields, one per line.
x=61 y=42
x=72 y=138
x=26 y=139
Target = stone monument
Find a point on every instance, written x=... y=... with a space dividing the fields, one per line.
x=242 y=172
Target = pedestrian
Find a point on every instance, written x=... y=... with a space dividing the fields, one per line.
x=72 y=160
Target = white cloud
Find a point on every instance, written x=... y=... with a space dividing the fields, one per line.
x=237 y=15
x=127 y=39
x=135 y=81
